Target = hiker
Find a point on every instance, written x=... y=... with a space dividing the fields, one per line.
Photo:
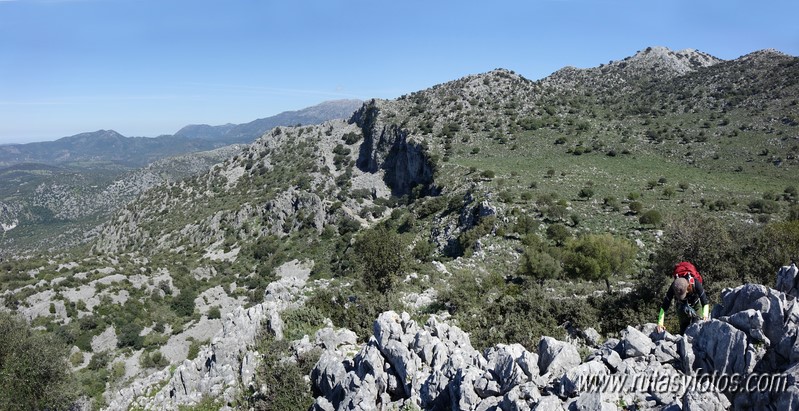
x=688 y=291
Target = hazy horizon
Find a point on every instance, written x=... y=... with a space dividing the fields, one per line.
x=146 y=68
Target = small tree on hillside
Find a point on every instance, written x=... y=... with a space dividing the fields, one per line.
x=381 y=255
x=598 y=257
x=538 y=265
x=651 y=217
x=558 y=233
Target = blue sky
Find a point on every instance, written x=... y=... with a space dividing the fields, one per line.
x=145 y=68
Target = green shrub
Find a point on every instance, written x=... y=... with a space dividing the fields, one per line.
x=77 y=358
x=34 y=368
x=506 y=196
x=354 y=308
x=468 y=239
x=128 y=336
x=286 y=387
x=99 y=361
x=493 y=311
x=423 y=251
x=351 y=138
x=712 y=245
x=764 y=206
x=612 y=203
x=431 y=206
x=598 y=257
x=651 y=217
x=300 y=321
x=153 y=360
x=183 y=304
x=636 y=206
x=538 y=265
x=586 y=193
x=558 y=233
x=214 y=313
x=381 y=256
x=525 y=224
x=117 y=371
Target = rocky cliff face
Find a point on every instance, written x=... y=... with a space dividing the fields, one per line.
x=388 y=147
x=434 y=367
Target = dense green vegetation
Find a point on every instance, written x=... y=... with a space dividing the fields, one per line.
x=33 y=368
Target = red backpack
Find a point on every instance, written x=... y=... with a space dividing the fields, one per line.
x=688 y=271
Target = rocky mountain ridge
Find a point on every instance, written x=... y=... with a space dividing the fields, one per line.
x=654 y=64
x=109 y=146
x=493 y=192
x=245 y=133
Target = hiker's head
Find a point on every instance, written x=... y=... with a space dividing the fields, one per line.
x=680 y=287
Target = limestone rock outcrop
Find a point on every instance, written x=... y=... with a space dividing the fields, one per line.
x=434 y=366
x=222 y=368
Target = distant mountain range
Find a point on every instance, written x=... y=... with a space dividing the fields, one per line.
x=246 y=133
x=87 y=150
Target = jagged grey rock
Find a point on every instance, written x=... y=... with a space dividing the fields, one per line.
x=330 y=338
x=549 y=403
x=591 y=401
x=489 y=404
x=750 y=322
x=570 y=382
x=611 y=358
x=719 y=347
x=634 y=343
x=591 y=336
x=666 y=351
x=462 y=390
x=556 y=357
x=442 y=371
x=503 y=366
x=778 y=314
x=329 y=373
x=704 y=401
x=222 y=368
x=786 y=279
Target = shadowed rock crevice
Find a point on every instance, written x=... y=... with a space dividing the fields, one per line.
x=386 y=147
